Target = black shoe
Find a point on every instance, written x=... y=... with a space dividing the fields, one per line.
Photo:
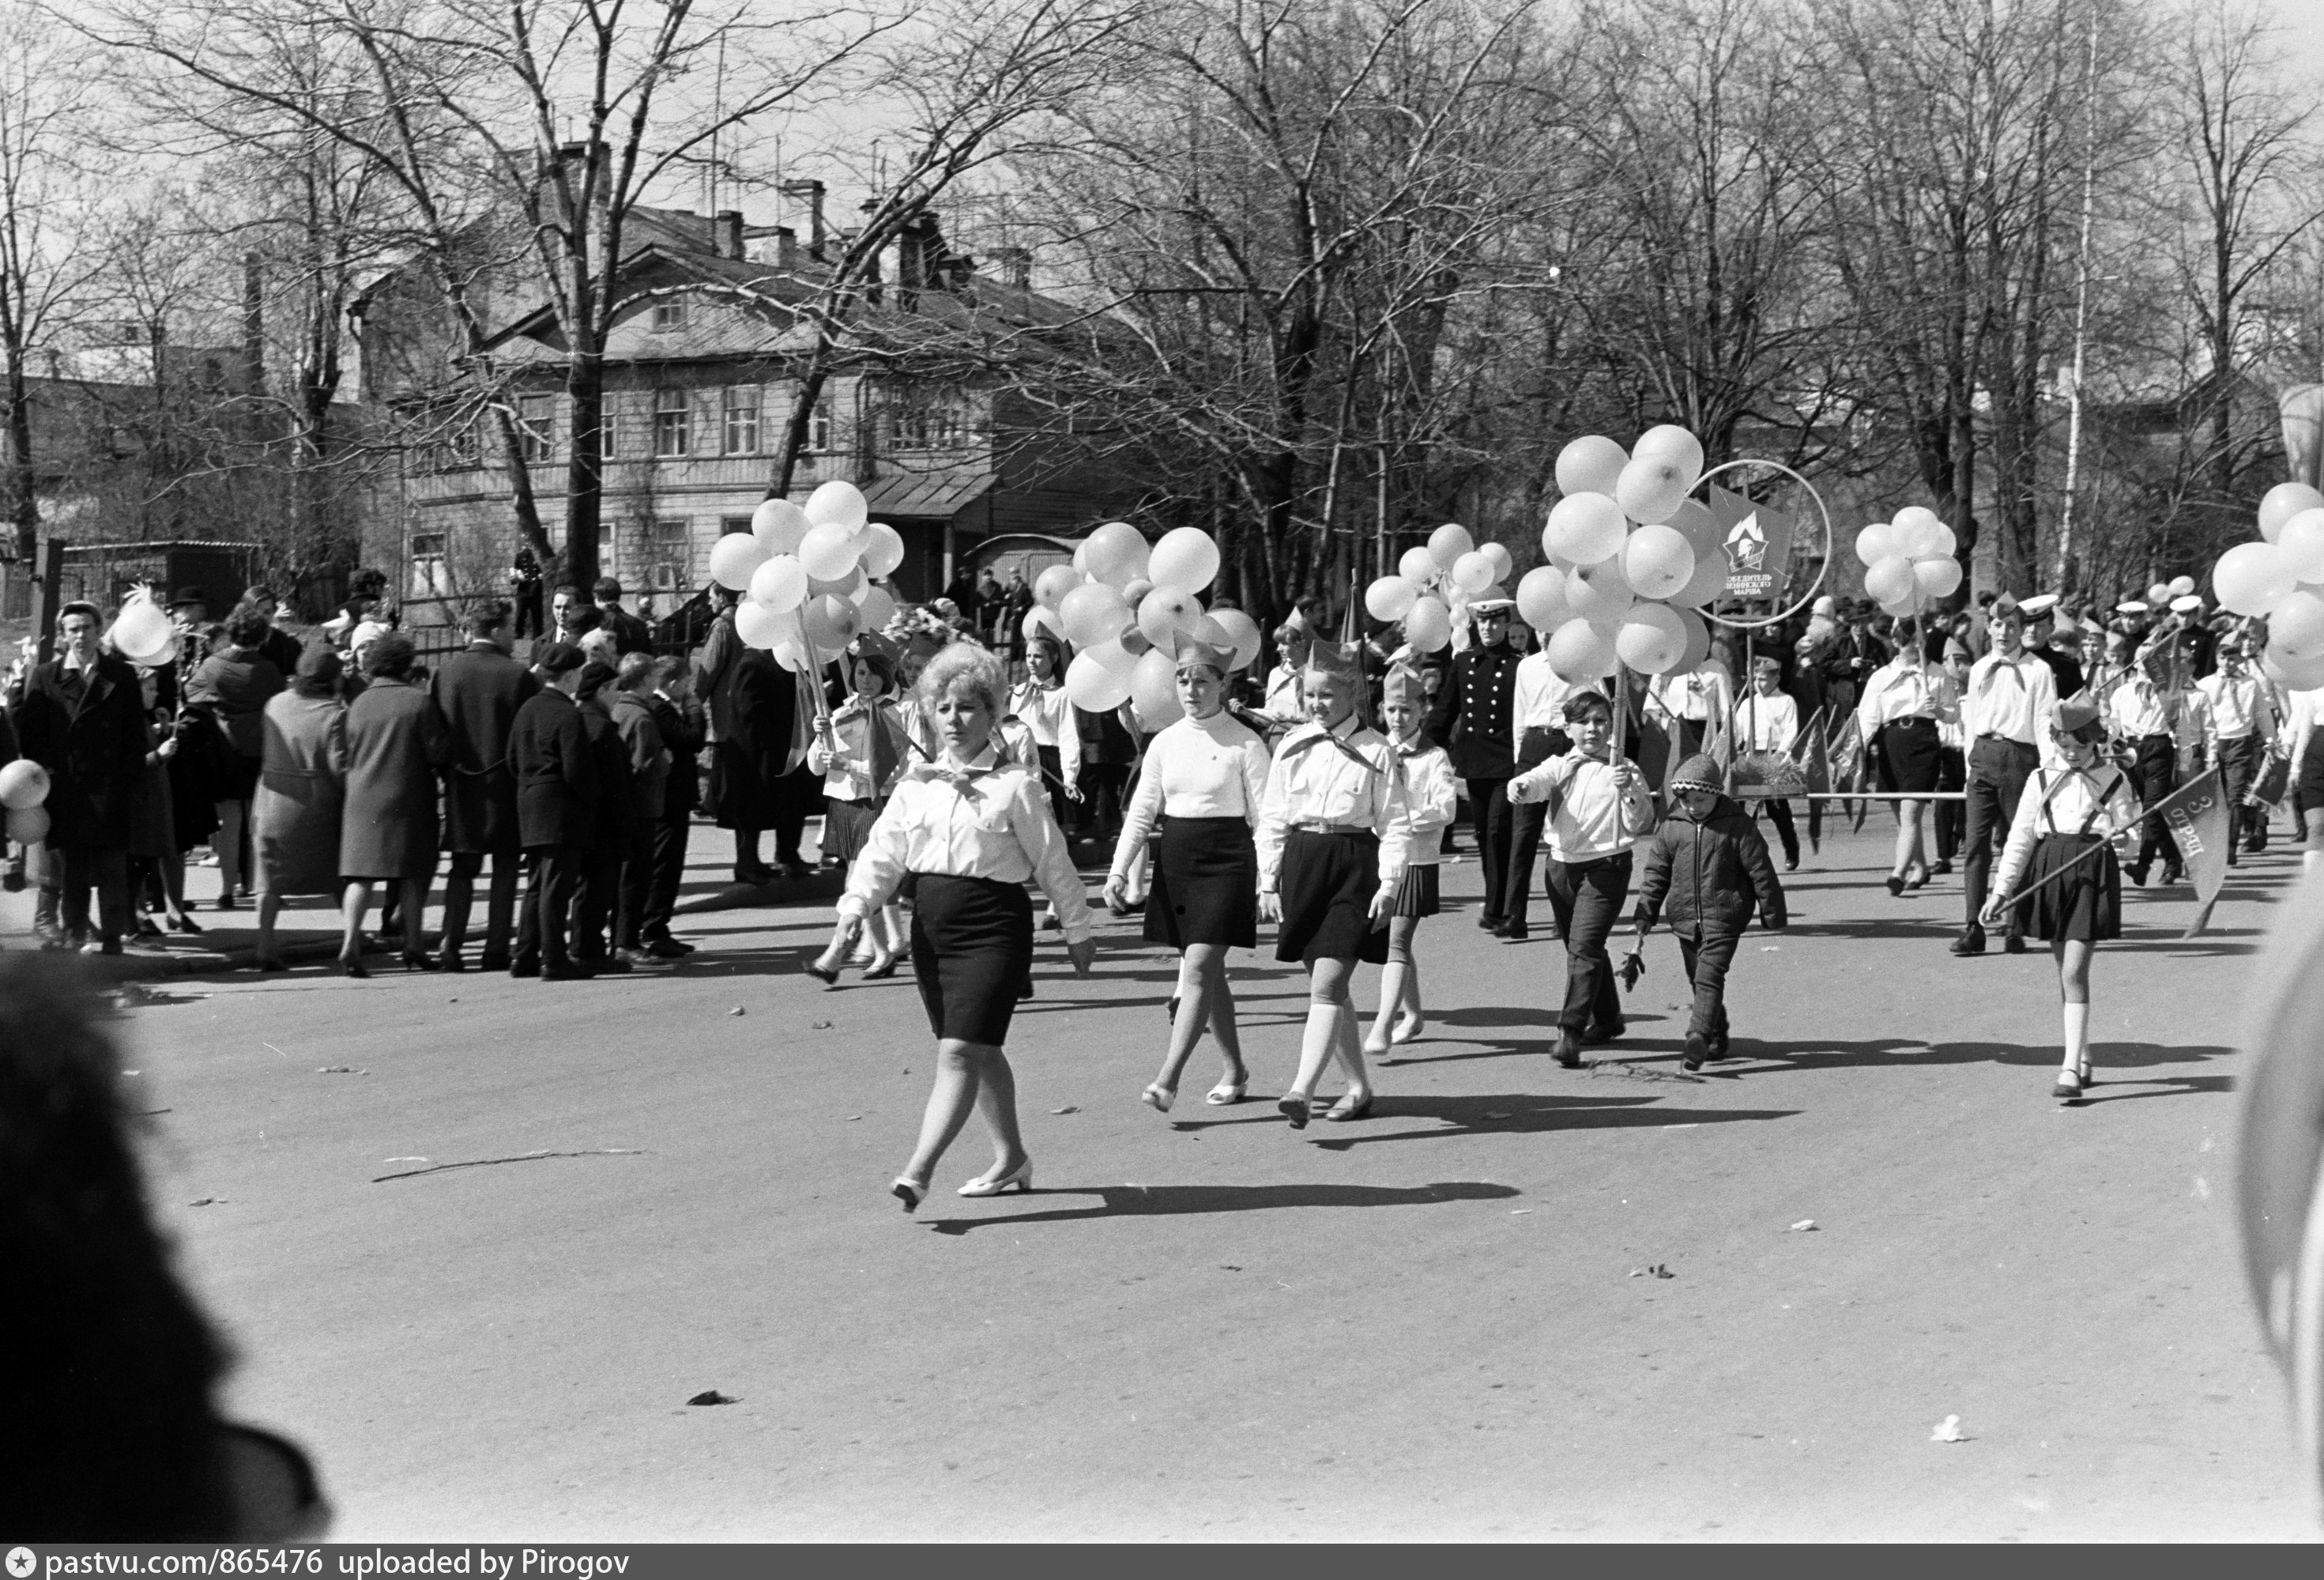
x=1718 y=1046
x=1971 y=941
x=449 y=960
x=106 y=946
x=2137 y=872
x=1569 y=1048
x=491 y=962
x=2014 y=944
x=147 y=928
x=1895 y=886
x=353 y=965
x=1517 y=932
x=667 y=949
x=1600 y=1035
x=1490 y=923
x=1943 y=869
x=524 y=966
x=1791 y=861
x=609 y=966
x=184 y=924
x=754 y=877
x=1697 y=1050
x=2173 y=877
x=223 y=902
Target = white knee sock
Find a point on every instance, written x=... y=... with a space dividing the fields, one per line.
x=2309 y=860
x=2078 y=1035
x=1316 y=1047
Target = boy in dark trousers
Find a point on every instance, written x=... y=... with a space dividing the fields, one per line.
x=1706 y=868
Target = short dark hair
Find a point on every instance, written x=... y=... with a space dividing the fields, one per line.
x=80 y=606
x=486 y=618
x=607 y=587
x=1587 y=702
x=246 y=627
x=389 y=656
x=257 y=590
x=562 y=588
x=584 y=620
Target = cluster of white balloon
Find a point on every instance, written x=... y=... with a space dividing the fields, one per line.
x=1632 y=557
x=1122 y=604
x=808 y=571
x=1435 y=583
x=142 y=633
x=24 y=792
x=1908 y=562
x=2281 y=580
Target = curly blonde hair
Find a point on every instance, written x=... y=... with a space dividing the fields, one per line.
x=966 y=665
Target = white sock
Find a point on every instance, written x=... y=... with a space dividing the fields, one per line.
x=2309 y=860
x=2078 y=1035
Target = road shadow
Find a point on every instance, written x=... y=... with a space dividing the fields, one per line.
x=1149 y=1201
x=1891 y=1053
x=2105 y=1081
x=1526 y=1114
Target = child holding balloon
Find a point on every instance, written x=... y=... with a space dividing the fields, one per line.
x=861 y=748
x=1431 y=801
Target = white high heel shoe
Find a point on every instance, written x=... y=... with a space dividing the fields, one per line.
x=909 y=1191
x=1021 y=1177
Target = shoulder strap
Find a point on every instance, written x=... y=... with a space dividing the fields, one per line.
x=2099 y=802
x=2050 y=786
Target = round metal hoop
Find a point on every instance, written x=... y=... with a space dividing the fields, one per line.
x=1813 y=588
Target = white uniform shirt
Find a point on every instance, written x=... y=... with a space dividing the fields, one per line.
x=2137 y=708
x=2010 y=698
x=1347 y=778
x=2300 y=723
x=1697 y=697
x=2102 y=786
x=1592 y=813
x=987 y=818
x=2238 y=708
x=1286 y=696
x=1767 y=724
x=1907 y=690
x=847 y=774
x=1048 y=712
x=1432 y=798
x=1540 y=700
x=1213 y=767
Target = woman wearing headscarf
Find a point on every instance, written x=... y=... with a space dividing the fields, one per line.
x=234 y=684
x=397 y=742
x=301 y=795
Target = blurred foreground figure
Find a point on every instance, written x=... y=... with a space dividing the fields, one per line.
x=111 y=1369
x=2282 y=1185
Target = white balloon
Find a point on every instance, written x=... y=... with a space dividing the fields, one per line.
x=1243 y=631
x=878 y=606
x=22 y=783
x=1417 y=566
x=1580 y=651
x=1651 y=487
x=1709 y=581
x=1938 y=576
x=1875 y=543
x=1447 y=543
x=1914 y=531
x=1472 y=573
x=2295 y=630
x=1115 y=552
x=845 y=586
x=1590 y=464
x=1162 y=613
x=1541 y=599
x=1154 y=689
x=1673 y=446
x=830 y=622
x=1584 y=529
x=1429 y=625
x=886 y=552
x=1651 y=639
x=1185 y=561
x=1041 y=621
x=1657 y=561
x=1098 y=679
x=828 y=552
x=1389 y=597
x=1600 y=593
x=779 y=583
x=1050 y=588
x=762 y=627
x=2252 y=578
x=839 y=504
x=1891 y=581
x=28 y=825
x=734 y=559
x=2301 y=543
x=779 y=525
x=2279 y=504
x=1093 y=614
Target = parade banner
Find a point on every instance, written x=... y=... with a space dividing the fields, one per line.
x=1757 y=540
x=2196 y=813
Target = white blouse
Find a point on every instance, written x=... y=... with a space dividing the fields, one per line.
x=847 y=773
x=988 y=818
x=1432 y=798
x=1213 y=767
x=1767 y=724
x=2137 y=708
x=1347 y=778
x=1540 y=700
x=1286 y=696
x=1898 y=692
x=1049 y=713
x=1593 y=812
x=2078 y=792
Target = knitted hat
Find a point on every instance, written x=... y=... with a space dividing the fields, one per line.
x=1700 y=771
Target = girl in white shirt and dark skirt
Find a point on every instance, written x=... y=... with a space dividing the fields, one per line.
x=1906 y=703
x=860 y=749
x=1331 y=862
x=969 y=829
x=1197 y=799
x=1041 y=705
x=2068 y=812
x=1431 y=800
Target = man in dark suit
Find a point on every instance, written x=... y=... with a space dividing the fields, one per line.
x=480 y=690
x=557 y=794
x=280 y=648
x=631 y=633
x=82 y=718
x=758 y=777
x=679 y=717
x=608 y=839
x=1482 y=744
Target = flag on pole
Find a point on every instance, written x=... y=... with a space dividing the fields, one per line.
x=2196 y=815
x=1814 y=755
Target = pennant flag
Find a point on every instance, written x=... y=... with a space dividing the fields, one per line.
x=1818 y=763
x=1721 y=744
x=2197 y=814
x=1653 y=755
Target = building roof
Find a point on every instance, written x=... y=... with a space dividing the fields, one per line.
x=926 y=493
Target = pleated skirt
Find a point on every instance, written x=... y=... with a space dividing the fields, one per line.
x=1909 y=749
x=2086 y=904
x=1416 y=896
x=1327 y=884
x=1205 y=888
x=972 y=954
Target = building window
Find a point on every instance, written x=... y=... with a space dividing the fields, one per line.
x=535 y=427
x=729 y=525
x=818 y=426
x=742 y=420
x=431 y=578
x=921 y=419
x=669 y=314
x=668 y=554
x=673 y=423
x=460 y=443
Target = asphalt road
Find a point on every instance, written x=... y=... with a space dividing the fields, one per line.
x=1434 y=1324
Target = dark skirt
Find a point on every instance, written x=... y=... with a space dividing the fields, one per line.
x=2086 y=904
x=237 y=777
x=1416 y=895
x=1205 y=888
x=1052 y=779
x=972 y=953
x=847 y=827
x=2309 y=788
x=1327 y=884
x=1909 y=754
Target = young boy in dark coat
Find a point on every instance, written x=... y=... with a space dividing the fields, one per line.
x=1706 y=870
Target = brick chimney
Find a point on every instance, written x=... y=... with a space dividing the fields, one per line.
x=726 y=232
x=812 y=190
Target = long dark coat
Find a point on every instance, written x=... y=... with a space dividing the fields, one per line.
x=555 y=776
x=756 y=781
x=480 y=691
x=611 y=755
x=296 y=818
x=94 y=751
x=682 y=735
x=397 y=742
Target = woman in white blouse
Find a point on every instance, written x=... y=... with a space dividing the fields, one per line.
x=1197 y=798
x=969 y=829
x=1905 y=702
x=1043 y=707
x=2061 y=848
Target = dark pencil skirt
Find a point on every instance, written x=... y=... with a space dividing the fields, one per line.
x=1910 y=751
x=972 y=952
x=2086 y=904
x=1205 y=888
x=1327 y=884
x=1416 y=896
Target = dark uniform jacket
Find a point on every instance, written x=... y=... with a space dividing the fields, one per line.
x=1478 y=735
x=480 y=691
x=90 y=736
x=632 y=634
x=557 y=787
x=1712 y=873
